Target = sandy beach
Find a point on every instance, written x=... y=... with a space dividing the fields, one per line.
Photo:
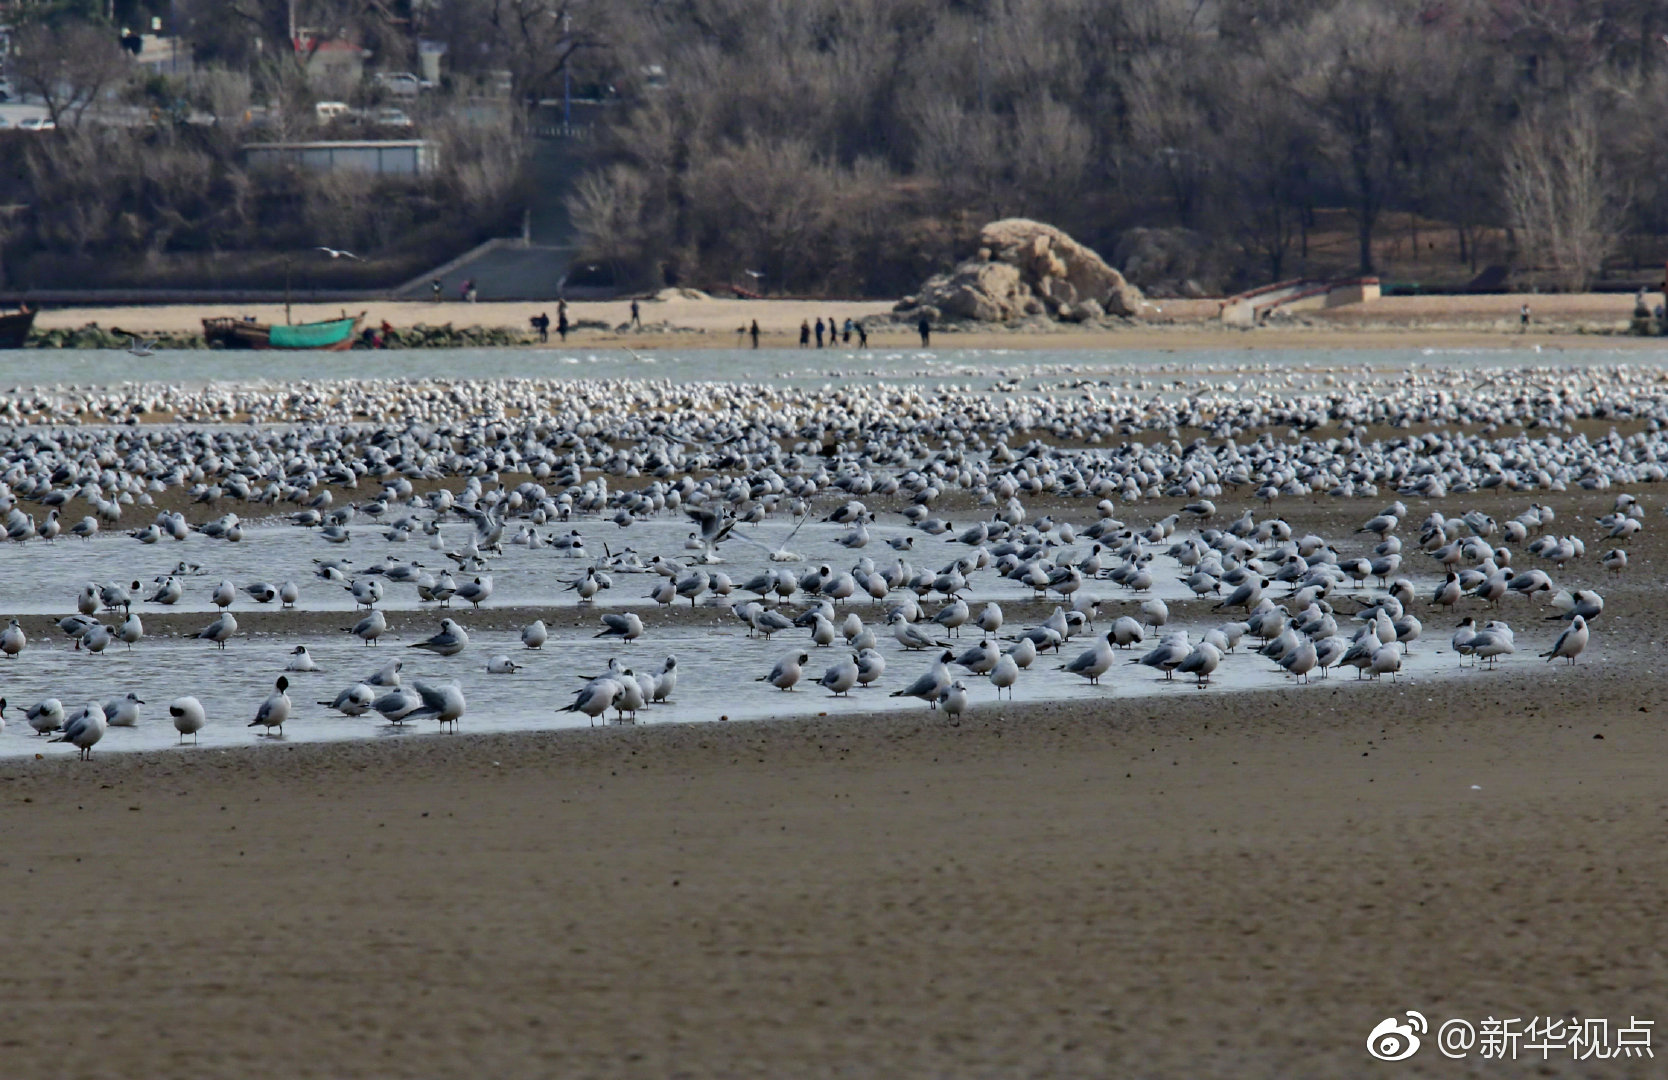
x=1484 y=321
x=1195 y=884
x=1173 y=890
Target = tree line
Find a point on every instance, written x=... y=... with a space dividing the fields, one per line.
x=856 y=146
x=850 y=145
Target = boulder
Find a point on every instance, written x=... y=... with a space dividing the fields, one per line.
x=1024 y=268
x=983 y=291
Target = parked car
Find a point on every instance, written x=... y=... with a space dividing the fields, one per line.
x=37 y=123
x=402 y=83
x=390 y=116
x=331 y=110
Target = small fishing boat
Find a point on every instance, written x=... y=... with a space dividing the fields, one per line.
x=14 y=329
x=330 y=335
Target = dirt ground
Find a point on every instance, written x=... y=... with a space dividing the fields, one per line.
x=1193 y=884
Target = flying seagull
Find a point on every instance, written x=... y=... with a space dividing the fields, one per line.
x=335 y=254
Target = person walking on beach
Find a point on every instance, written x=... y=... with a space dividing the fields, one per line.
x=435 y=285
x=541 y=326
x=1523 y=318
x=636 y=316
x=925 y=327
x=561 y=323
x=862 y=336
x=804 y=333
x=753 y=332
x=845 y=337
x=819 y=331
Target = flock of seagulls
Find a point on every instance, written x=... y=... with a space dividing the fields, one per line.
x=892 y=474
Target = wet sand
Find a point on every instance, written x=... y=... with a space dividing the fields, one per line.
x=1171 y=888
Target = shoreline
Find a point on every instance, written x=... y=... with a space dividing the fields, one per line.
x=1480 y=322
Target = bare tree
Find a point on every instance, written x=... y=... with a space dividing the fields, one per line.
x=69 y=65
x=1560 y=194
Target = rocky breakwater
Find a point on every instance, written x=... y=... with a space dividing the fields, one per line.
x=1025 y=269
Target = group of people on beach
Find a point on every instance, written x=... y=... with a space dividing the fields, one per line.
x=541 y=323
x=835 y=333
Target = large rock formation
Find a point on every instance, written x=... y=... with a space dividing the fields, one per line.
x=1027 y=268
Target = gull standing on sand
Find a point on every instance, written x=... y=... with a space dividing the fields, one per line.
x=443 y=703
x=930 y=685
x=13 y=639
x=1094 y=662
x=627 y=626
x=219 y=630
x=370 y=627
x=188 y=717
x=953 y=700
x=786 y=672
x=1004 y=675
x=275 y=709
x=1570 y=643
x=84 y=727
x=870 y=666
x=595 y=698
x=534 y=634
x=840 y=677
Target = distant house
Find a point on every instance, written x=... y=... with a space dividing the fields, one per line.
x=333 y=66
x=381 y=157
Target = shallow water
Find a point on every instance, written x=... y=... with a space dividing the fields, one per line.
x=718 y=663
x=979 y=368
x=717 y=669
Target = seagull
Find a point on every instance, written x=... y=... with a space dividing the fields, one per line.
x=502 y=665
x=275 y=709
x=1005 y=674
x=595 y=698
x=338 y=253
x=45 y=716
x=449 y=641
x=930 y=685
x=786 y=672
x=397 y=704
x=534 y=634
x=12 y=639
x=370 y=627
x=1570 y=643
x=218 y=630
x=627 y=626
x=443 y=703
x=953 y=699
x=1093 y=663
x=300 y=660
x=188 y=717
x=838 y=678
x=354 y=701
x=123 y=711
x=84 y=727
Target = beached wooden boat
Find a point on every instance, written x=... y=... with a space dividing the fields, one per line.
x=330 y=335
x=14 y=329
